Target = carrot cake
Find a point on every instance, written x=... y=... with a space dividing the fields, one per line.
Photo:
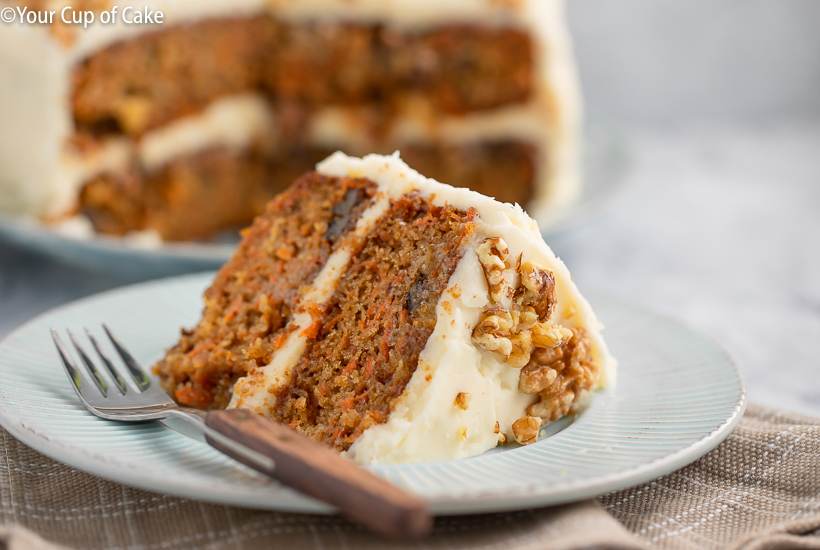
x=182 y=128
x=393 y=317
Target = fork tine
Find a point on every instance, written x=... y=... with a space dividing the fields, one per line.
x=96 y=375
x=139 y=375
x=69 y=364
x=119 y=381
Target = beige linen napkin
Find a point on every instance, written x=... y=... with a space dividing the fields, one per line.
x=759 y=489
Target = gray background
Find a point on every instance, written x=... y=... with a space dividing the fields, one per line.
x=718 y=105
x=650 y=62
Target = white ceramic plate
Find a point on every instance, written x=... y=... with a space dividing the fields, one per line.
x=604 y=165
x=677 y=396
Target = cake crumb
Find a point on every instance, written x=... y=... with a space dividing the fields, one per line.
x=462 y=433
x=462 y=400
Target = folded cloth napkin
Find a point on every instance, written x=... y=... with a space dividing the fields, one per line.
x=759 y=489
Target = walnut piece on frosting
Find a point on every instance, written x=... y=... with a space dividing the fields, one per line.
x=525 y=318
x=575 y=372
x=521 y=349
x=492 y=331
x=535 y=378
x=537 y=289
x=494 y=256
x=553 y=408
x=548 y=335
x=525 y=429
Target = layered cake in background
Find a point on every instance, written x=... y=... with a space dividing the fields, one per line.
x=392 y=317
x=188 y=127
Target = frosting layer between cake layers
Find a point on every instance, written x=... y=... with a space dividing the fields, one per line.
x=462 y=396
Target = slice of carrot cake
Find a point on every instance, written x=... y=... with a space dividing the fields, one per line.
x=393 y=317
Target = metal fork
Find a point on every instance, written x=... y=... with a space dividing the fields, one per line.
x=268 y=447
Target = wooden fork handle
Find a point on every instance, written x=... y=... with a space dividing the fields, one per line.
x=318 y=471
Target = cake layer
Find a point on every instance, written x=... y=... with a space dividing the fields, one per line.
x=196 y=195
x=376 y=323
x=139 y=84
x=192 y=197
x=252 y=300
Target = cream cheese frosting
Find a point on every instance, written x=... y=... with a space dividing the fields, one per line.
x=425 y=424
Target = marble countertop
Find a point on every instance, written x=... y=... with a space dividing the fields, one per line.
x=717 y=226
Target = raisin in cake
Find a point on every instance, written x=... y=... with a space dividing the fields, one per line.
x=392 y=317
x=183 y=128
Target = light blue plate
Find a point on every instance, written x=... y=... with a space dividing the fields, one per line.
x=677 y=396
x=113 y=255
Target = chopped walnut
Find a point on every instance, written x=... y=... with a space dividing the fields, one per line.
x=554 y=360
x=502 y=438
x=537 y=289
x=559 y=386
x=462 y=400
x=493 y=255
x=525 y=429
x=574 y=372
x=549 y=335
x=524 y=319
x=552 y=408
x=492 y=332
x=535 y=378
x=521 y=349
x=497 y=428
x=498 y=319
x=549 y=357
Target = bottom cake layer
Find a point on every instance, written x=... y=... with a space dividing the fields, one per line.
x=198 y=195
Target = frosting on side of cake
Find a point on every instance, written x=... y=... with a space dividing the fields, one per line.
x=42 y=170
x=460 y=396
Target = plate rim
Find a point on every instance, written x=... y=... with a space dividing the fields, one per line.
x=514 y=498
x=23 y=230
